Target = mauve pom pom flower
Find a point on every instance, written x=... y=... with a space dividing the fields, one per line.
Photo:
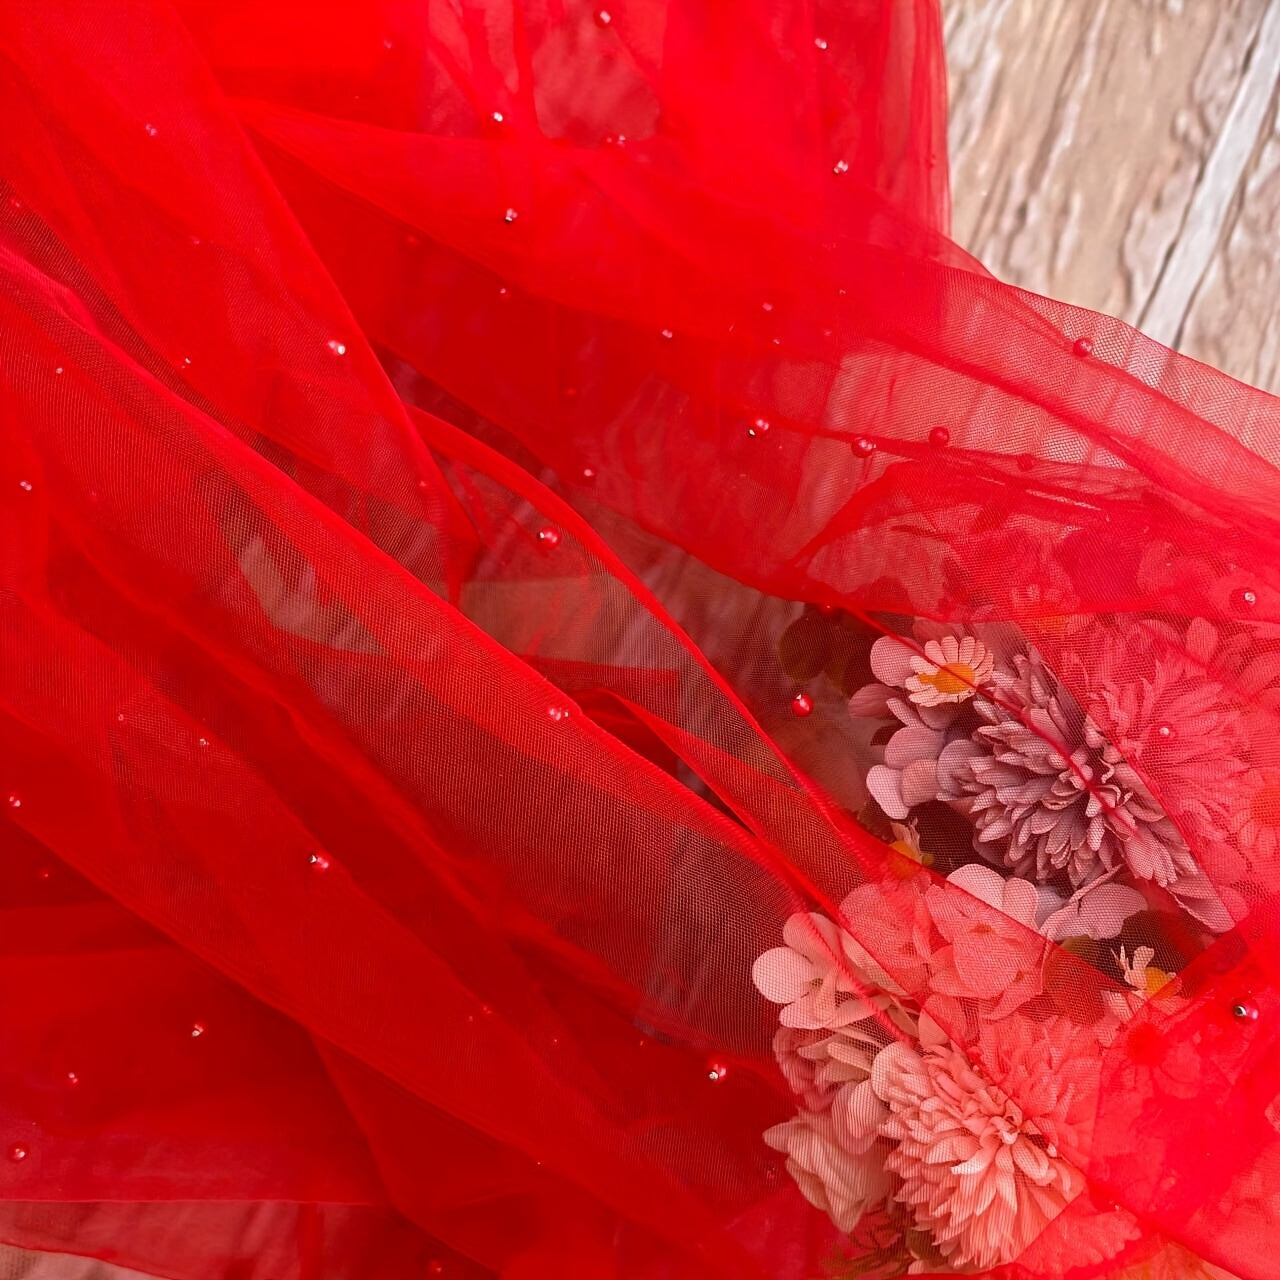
x=1048 y=791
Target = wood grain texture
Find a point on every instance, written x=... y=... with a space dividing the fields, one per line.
x=1125 y=155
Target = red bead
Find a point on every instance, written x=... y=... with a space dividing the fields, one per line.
x=510 y=216
x=320 y=862
x=557 y=714
x=13 y=800
x=603 y=17
x=549 y=537
x=758 y=427
x=588 y=473
x=17 y=1153
x=939 y=437
x=1244 y=598
x=338 y=348
x=44 y=873
x=197 y=1030
x=73 y=1079
x=435 y=1267
x=863 y=447
x=802 y=704
x=1083 y=347
x=840 y=166
x=667 y=335
x=1245 y=1011
x=716 y=1071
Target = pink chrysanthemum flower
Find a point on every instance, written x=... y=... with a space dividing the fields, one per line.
x=981 y=1163
x=1054 y=784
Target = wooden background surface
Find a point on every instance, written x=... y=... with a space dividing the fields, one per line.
x=1125 y=155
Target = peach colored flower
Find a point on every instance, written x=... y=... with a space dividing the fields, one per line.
x=1255 y=822
x=894 y=932
x=982 y=1165
x=833 y=1156
x=995 y=951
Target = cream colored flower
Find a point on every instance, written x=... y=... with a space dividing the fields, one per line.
x=833 y=1155
x=949 y=670
x=822 y=977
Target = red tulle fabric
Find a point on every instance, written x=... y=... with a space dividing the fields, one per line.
x=458 y=462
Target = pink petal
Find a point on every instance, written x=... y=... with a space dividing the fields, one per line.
x=911 y=744
x=885 y=786
x=1020 y=900
x=814 y=937
x=919 y=783
x=781 y=975
x=1202 y=640
x=980 y=882
x=870 y=700
x=891 y=661
x=1104 y=910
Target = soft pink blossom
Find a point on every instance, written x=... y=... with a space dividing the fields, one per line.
x=833 y=1156
x=994 y=951
x=1098 y=911
x=894 y=931
x=817 y=1062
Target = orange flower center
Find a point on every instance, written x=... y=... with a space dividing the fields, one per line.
x=904 y=861
x=1265 y=806
x=1154 y=979
x=955 y=677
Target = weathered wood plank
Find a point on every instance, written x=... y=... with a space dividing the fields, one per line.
x=1123 y=155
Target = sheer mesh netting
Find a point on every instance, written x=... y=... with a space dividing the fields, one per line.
x=585 y=695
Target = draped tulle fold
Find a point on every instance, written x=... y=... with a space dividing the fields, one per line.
x=460 y=463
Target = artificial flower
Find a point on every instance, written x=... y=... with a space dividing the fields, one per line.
x=1255 y=822
x=1049 y=791
x=812 y=975
x=909 y=774
x=832 y=1155
x=993 y=950
x=950 y=670
x=817 y=1062
x=1097 y=911
x=981 y=1164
